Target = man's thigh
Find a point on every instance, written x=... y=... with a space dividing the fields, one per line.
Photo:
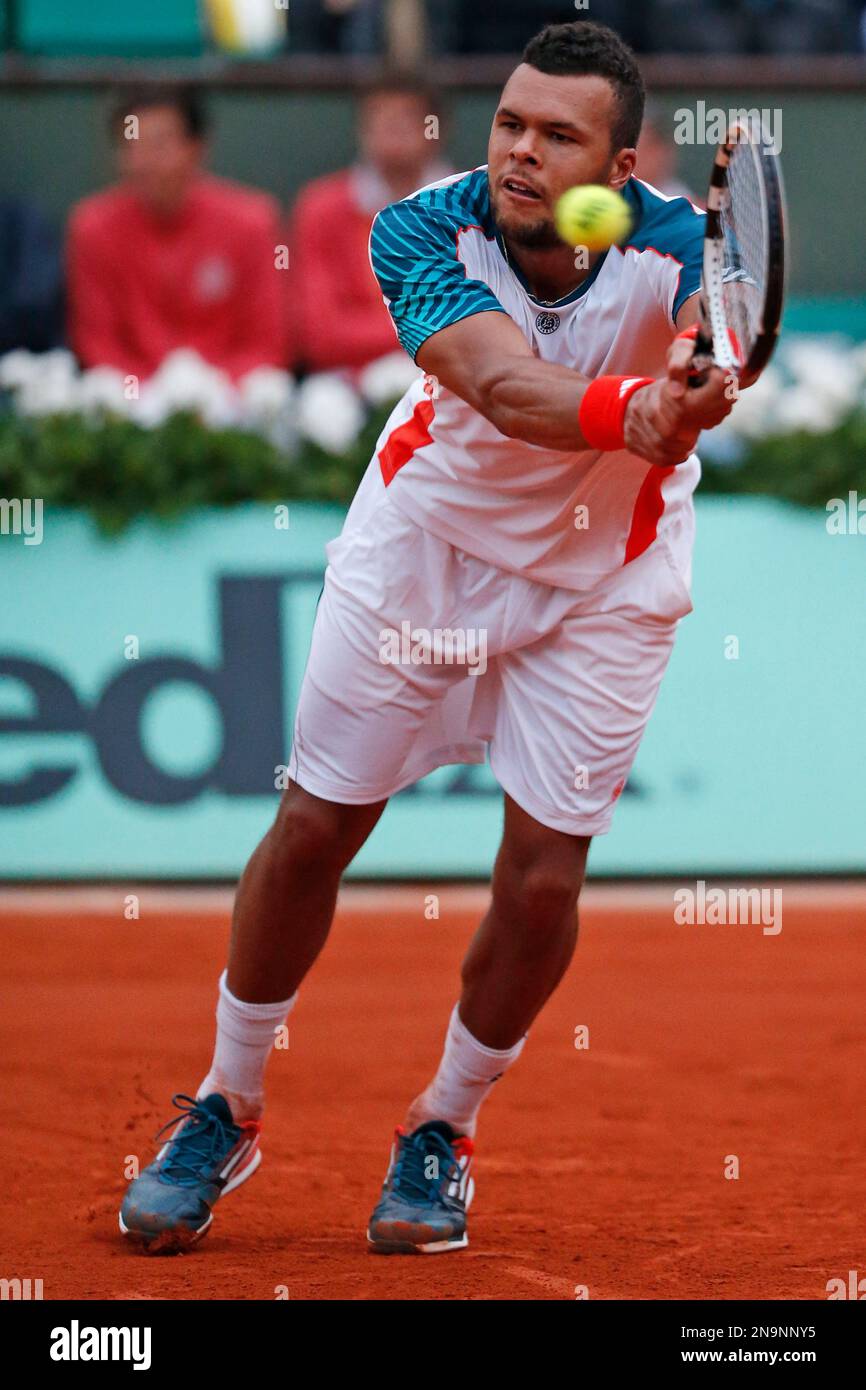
x=571 y=711
x=359 y=716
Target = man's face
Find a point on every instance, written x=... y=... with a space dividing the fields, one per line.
x=392 y=134
x=160 y=159
x=549 y=134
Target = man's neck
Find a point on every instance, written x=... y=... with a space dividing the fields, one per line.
x=551 y=273
x=173 y=206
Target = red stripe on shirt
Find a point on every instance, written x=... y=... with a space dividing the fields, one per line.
x=648 y=508
x=402 y=442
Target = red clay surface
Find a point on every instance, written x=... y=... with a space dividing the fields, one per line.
x=602 y=1168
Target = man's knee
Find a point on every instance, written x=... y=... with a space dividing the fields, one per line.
x=543 y=874
x=547 y=892
x=321 y=834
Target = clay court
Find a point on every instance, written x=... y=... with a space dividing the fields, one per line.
x=601 y=1168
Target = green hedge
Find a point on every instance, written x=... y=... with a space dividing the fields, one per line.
x=118 y=470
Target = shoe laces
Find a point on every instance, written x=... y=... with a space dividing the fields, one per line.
x=203 y=1139
x=409 y=1177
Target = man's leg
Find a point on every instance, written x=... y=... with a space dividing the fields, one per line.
x=288 y=891
x=282 y=916
x=515 y=961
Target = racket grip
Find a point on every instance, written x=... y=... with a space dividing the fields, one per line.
x=702 y=357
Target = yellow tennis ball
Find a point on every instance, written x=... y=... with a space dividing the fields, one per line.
x=592 y=216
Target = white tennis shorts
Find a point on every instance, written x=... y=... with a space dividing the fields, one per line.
x=424 y=655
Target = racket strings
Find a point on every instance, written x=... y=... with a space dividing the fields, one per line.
x=743 y=224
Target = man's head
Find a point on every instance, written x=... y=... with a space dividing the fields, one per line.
x=395 y=131
x=159 y=135
x=569 y=114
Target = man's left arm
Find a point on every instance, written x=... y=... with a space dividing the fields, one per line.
x=689 y=313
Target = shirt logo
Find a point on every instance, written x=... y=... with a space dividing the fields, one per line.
x=213 y=279
x=547 y=323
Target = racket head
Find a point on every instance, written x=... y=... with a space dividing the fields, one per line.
x=744 y=267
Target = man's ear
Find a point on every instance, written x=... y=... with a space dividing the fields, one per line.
x=623 y=168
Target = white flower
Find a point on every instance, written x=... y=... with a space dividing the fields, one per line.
x=184 y=381
x=827 y=369
x=267 y=397
x=265 y=392
x=330 y=413
x=103 y=388
x=45 y=383
x=59 y=363
x=805 y=409
x=51 y=388
x=387 y=378
x=18 y=367
x=754 y=412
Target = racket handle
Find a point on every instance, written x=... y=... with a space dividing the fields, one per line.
x=702 y=360
x=702 y=355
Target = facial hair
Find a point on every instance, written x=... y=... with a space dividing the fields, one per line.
x=535 y=236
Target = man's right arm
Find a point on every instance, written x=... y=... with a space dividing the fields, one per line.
x=486 y=360
x=458 y=331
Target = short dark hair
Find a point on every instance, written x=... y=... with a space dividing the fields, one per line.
x=182 y=99
x=583 y=48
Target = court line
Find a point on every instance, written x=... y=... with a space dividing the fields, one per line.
x=831 y=897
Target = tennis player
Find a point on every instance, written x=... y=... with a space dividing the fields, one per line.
x=508 y=583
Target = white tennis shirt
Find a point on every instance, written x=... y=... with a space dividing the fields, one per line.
x=560 y=518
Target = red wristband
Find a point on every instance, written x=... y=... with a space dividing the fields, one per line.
x=602 y=410
x=691 y=332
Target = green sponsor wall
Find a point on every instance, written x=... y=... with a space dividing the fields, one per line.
x=162 y=765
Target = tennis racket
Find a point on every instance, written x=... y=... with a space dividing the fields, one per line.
x=744 y=257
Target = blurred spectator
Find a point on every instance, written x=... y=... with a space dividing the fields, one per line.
x=171 y=257
x=658 y=155
x=31 y=300
x=507 y=26
x=339 y=319
x=336 y=26
x=755 y=26
x=651 y=26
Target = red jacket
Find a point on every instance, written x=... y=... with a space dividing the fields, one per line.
x=140 y=287
x=337 y=314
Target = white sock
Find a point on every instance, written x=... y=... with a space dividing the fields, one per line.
x=245 y=1037
x=465 y=1078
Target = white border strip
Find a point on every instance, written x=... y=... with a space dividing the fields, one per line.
x=362 y=899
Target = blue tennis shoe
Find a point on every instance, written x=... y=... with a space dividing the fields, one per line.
x=426 y=1193
x=170 y=1205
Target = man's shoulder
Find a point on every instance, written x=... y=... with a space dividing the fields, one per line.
x=100 y=211
x=671 y=226
x=237 y=201
x=433 y=216
x=327 y=192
